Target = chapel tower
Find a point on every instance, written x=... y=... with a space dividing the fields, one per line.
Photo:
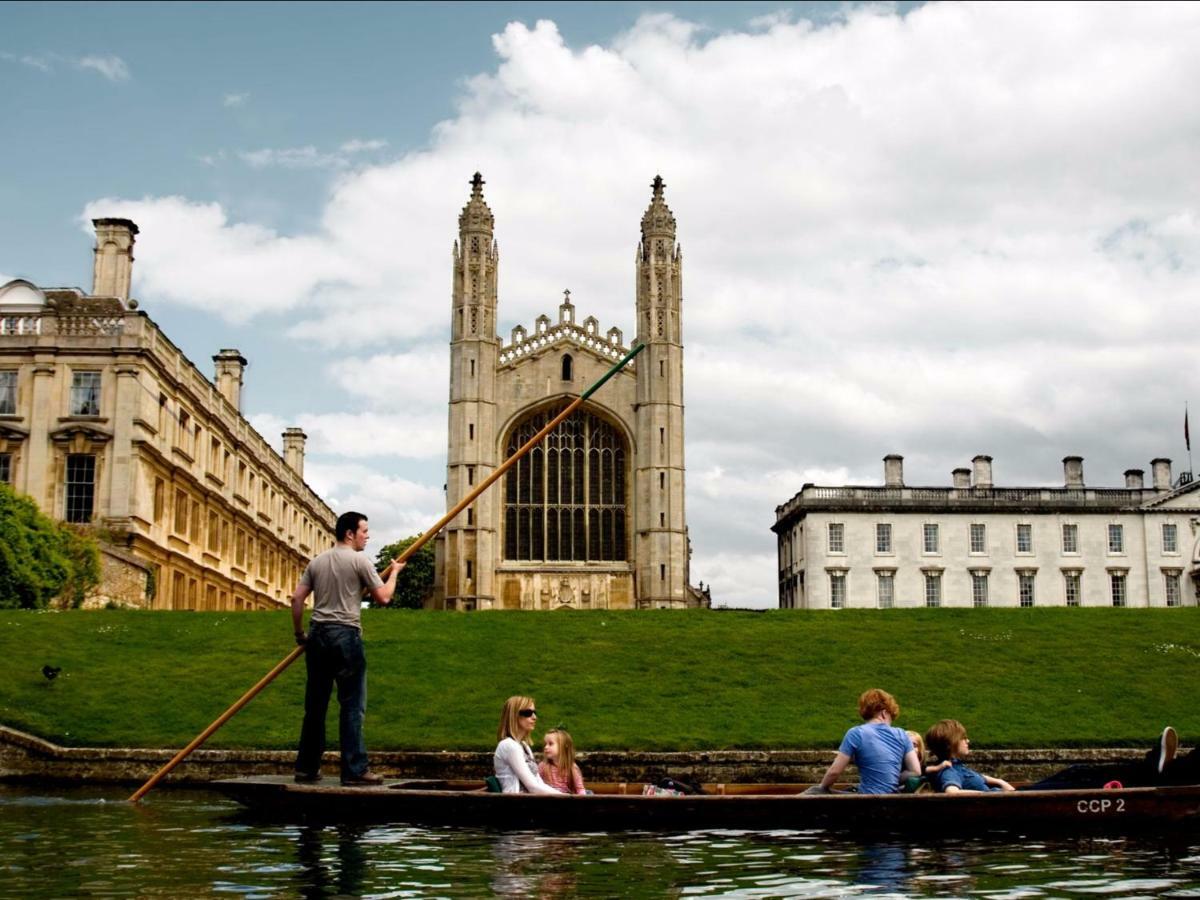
x=467 y=547
x=661 y=539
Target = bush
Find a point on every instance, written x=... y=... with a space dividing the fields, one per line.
x=40 y=558
x=415 y=583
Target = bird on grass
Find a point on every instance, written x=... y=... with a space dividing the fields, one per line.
x=51 y=672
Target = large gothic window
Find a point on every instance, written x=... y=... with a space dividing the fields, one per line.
x=565 y=499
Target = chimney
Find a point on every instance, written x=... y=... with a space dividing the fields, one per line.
x=1135 y=479
x=1162 y=473
x=893 y=470
x=983 y=471
x=962 y=478
x=1073 y=471
x=112 y=269
x=293 y=449
x=230 y=365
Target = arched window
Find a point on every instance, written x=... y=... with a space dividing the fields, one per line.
x=565 y=500
x=566 y=367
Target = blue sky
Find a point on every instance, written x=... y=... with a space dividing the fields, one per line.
x=931 y=230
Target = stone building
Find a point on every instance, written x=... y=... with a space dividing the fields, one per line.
x=975 y=544
x=103 y=420
x=593 y=518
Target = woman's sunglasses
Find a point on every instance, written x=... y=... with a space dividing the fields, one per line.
x=527 y=713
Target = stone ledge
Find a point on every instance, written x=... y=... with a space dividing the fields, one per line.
x=24 y=757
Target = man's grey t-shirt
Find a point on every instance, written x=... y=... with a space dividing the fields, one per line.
x=338 y=578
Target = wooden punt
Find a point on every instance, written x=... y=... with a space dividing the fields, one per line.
x=614 y=807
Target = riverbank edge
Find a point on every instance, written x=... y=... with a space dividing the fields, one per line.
x=25 y=757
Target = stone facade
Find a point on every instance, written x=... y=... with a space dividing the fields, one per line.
x=104 y=420
x=594 y=517
x=974 y=544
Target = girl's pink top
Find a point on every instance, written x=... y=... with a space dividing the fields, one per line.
x=556 y=779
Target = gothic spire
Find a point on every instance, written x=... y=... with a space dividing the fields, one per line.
x=658 y=220
x=476 y=216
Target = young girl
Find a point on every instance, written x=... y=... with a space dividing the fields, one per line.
x=515 y=767
x=558 y=768
x=948 y=741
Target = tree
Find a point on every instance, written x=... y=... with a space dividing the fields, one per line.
x=415 y=583
x=40 y=558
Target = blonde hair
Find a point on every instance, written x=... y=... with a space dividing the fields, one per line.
x=510 y=717
x=566 y=757
x=943 y=738
x=918 y=745
x=871 y=703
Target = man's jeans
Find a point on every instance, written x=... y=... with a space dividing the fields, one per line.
x=334 y=653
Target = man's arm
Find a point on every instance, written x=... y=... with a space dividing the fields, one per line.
x=836 y=768
x=383 y=594
x=298 y=598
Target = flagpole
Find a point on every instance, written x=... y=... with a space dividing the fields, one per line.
x=1187 y=439
x=408 y=551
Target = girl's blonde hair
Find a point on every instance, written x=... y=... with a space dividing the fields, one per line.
x=510 y=717
x=566 y=757
x=918 y=743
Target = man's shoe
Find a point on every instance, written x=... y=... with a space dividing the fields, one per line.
x=366 y=779
x=1167 y=746
x=306 y=777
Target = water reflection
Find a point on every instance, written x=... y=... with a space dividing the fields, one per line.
x=193 y=844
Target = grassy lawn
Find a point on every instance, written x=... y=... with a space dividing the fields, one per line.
x=646 y=680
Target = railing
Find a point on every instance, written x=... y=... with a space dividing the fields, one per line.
x=21 y=324
x=813 y=496
x=77 y=326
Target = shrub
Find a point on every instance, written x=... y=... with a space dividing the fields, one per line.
x=40 y=558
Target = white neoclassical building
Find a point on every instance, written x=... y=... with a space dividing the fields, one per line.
x=975 y=544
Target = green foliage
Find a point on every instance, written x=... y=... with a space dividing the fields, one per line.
x=669 y=680
x=41 y=559
x=415 y=583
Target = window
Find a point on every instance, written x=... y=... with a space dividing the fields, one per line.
x=6 y=468
x=837 y=590
x=930 y=535
x=80 y=487
x=933 y=587
x=886 y=584
x=565 y=500
x=979 y=588
x=566 y=367
x=1117 y=579
x=184 y=435
x=978 y=537
x=1024 y=538
x=883 y=537
x=1025 y=588
x=1071 y=588
x=85 y=393
x=160 y=489
x=181 y=512
x=837 y=537
x=1171 y=581
x=1070 y=538
x=1116 y=539
x=1170 y=538
x=214 y=531
x=8 y=393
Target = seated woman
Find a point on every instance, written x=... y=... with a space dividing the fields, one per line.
x=948 y=741
x=516 y=769
x=879 y=749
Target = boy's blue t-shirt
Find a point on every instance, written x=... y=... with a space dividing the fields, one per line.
x=962 y=777
x=878 y=750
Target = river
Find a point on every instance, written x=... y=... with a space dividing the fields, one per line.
x=89 y=842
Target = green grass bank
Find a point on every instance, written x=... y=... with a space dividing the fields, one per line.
x=639 y=681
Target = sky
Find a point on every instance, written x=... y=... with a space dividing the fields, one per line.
x=933 y=230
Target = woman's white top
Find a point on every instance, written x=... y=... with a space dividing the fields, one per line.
x=516 y=769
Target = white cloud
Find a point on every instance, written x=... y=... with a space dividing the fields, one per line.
x=365 y=434
x=397 y=507
x=42 y=64
x=937 y=234
x=290 y=158
x=236 y=100
x=111 y=67
x=360 y=146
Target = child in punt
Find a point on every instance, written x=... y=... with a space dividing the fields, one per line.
x=558 y=767
x=948 y=741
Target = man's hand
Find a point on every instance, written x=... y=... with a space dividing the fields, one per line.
x=301 y=638
x=396 y=565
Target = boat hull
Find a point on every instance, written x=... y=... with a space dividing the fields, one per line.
x=622 y=807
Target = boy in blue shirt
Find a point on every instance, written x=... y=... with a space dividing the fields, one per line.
x=879 y=749
x=948 y=741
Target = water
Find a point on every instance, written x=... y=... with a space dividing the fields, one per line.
x=88 y=842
